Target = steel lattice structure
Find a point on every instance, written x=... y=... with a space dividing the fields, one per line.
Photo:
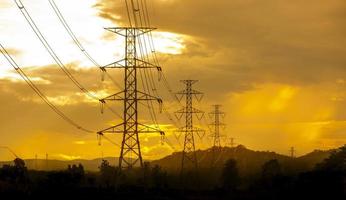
x=189 y=154
x=292 y=152
x=130 y=154
x=217 y=114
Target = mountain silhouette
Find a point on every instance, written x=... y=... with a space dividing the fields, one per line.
x=249 y=161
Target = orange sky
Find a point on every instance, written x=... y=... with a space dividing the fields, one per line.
x=278 y=68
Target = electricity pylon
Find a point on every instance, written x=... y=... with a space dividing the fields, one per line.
x=231 y=142
x=217 y=115
x=36 y=162
x=189 y=151
x=292 y=152
x=130 y=153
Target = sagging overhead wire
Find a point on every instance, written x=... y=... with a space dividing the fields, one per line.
x=146 y=19
x=52 y=53
x=147 y=84
x=78 y=43
x=38 y=91
x=163 y=78
x=10 y=150
x=100 y=136
x=138 y=10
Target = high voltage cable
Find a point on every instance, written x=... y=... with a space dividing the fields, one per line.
x=154 y=57
x=151 y=45
x=153 y=50
x=146 y=85
x=168 y=142
x=10 y=150
x=108 y=139
x=38 y=91
x=80 y=46
x=128 y=13
x=52 y=53
x=77 y=42
x=151 y=80
x=135 y=11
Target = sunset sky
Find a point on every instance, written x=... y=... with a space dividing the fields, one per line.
x=278 y=68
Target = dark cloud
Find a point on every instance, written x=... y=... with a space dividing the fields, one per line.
x=293 y=42
x=232 y=46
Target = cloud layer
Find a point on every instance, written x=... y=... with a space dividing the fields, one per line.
x=277 y=66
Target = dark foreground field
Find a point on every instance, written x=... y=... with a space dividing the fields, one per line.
x=327 y=180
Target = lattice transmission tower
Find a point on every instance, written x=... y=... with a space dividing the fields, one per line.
x=230 y=142
x=292 y=152
x=130 y=154
x=189 y=157
x=217 y=115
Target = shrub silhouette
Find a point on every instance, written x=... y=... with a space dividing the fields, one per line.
x=271 y=169
x=230 y=176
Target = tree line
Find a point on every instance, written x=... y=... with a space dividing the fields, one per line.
x=326 y=181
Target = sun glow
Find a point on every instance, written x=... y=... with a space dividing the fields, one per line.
x=282 y=99
x=68 y=157
x=169 y=43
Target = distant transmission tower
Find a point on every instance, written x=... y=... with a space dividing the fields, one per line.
x=231 y=142
x=47 y=162
x=217 y=115
x=130 y=154
x=292 y=152
x=35 y=161
x=189 y=155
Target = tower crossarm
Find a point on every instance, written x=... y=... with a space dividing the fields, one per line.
x=130 y=152
x=179 y=114
x=140 y=64
x=184 y=92
x=140 y=97
x=142 y=128
x=217 y=124
x=123 y=30
x=113 y=129
x=194 y=129
x=184 y=111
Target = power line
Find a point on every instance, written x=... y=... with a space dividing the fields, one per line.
x=130 y=127
x=148 y=86
x=292 y=152
x=153 y=52
x=52 y=53
x=152 y=48
x=217 y=114
x=38 y=91
x=10 y=150
x=189 y=151
x=100 y=135
x=77 y=42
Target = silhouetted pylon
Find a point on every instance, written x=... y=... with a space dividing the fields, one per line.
x=216 y=115
x=217 y=124
x=231 y=142
x=130 y=154
x=292 y=152
x=189 y=152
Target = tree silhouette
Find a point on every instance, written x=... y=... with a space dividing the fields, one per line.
x=335 y=162
x=271 y=169
x=158 y=177
x=230 y=176
x=108 y=174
